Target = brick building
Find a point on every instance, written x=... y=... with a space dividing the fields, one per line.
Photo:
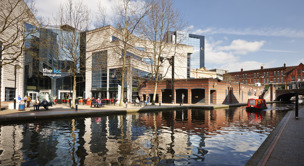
x=200 y=91
x=265 y=76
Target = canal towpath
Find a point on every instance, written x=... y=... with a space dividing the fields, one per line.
x=285 y=145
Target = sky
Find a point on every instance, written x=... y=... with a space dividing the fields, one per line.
x=238 y=34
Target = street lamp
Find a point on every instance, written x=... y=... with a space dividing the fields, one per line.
x=15 y=72
x=171 y=62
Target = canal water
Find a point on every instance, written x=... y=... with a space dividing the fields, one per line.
x=177 y=137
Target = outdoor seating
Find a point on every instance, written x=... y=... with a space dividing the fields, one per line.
x=46 y=105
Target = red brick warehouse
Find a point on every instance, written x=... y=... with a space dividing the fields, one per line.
x=200 y=91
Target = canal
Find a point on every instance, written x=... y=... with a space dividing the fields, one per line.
x=177 y=137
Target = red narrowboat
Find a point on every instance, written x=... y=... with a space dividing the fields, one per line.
x=256 y=104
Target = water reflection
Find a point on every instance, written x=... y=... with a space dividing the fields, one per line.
x=221 y=136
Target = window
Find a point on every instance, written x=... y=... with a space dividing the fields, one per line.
x=292 y=78
x=299 y=71
x=140 y=48
x=267 y=80
x=257 y=75
x=282 y=80
x=267 y=74
x=9 y=94
x=282 y=72
x=99 y=74
x=274 y=80
x=114 y=38
x=274 y=73
x=298 y=77
x=254 y=75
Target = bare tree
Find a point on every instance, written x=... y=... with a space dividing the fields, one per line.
x=127 y=21
x=13 y=15
x=73 y=19
x=161 y=19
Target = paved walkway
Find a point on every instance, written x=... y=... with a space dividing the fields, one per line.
x=285 y=145
x=63 y=111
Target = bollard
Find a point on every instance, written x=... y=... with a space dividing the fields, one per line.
x=76 y=108
x=159 y=104
x=14 y=103
x=297 y=106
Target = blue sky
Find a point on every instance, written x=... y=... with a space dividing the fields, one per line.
x=239 y=33
x=247 y=33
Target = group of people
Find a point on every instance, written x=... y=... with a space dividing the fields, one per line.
x=28 y=100
x=146 y=101
x=96 y=102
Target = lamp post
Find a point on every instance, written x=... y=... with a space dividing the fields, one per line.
x=15 y=72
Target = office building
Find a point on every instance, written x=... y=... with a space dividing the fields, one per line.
x=196 y=60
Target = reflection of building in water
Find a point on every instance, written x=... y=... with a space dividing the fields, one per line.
x=10 y=145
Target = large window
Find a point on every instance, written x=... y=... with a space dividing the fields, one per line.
x=9 y=94
x=99 y=69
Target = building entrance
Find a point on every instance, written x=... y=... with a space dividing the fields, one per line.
x=198 y=96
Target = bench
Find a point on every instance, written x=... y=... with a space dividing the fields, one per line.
x=95 y=104
x=39 y=105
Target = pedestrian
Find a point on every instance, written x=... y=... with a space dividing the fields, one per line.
x=28 y=100
x=148 y=99
x=19 y=99
x=45 y=104
x=37 y=104
x=99 y=102
x=137 y=101
x=24 y=99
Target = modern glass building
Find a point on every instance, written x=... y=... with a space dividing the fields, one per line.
x=47 y=65
x=196 y=60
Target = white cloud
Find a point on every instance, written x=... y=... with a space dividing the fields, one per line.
x=279 y=51
x=276 y=32
x=243 y=47
x=49 y=8
x=202 y=31
x=226 y=57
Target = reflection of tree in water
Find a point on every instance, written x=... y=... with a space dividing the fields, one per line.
x=98 y=136
x=81 y=152
x=39 y=149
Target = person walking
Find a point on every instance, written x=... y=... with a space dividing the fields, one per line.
x=28 y=100
x=37 y=104
x=148 y=99
x=24 y=99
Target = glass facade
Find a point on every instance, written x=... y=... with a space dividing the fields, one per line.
x=197 y=59
x=99 y=70
x=48 y=66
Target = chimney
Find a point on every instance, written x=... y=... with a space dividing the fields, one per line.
x=241 y=69
x=261 y=67
x=284 y=64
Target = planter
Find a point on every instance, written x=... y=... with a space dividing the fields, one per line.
x=89 y=102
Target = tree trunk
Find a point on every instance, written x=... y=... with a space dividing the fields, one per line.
x=74 y=91
x=123 y=76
